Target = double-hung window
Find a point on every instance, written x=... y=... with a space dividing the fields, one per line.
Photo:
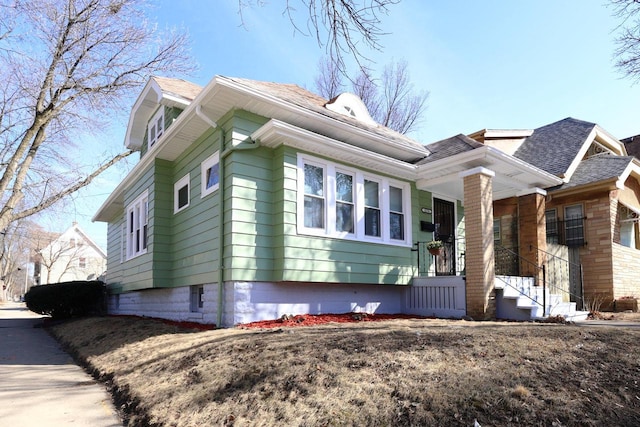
x=156 y=127
x=345 y=206
x=314 y=196
x=136 y=222
x=336 y=201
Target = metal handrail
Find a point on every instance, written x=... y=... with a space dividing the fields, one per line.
x=501 y=253
x=553 y=284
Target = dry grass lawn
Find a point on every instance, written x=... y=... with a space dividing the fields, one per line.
x=390 y=373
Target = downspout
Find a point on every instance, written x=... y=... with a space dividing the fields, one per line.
x=224 y=152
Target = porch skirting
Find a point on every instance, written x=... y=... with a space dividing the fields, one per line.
x=246 y=302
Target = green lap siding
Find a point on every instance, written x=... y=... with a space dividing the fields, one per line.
x=260 y=240
x=193 y=237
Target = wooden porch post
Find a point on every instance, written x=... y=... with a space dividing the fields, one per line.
x=480 y=263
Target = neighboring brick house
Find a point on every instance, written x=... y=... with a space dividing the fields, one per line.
x=591 y=219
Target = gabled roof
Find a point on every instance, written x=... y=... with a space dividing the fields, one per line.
x=158 y=91
x=75 y=230
x=554 y=147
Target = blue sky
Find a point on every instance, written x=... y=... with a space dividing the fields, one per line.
x=487 y=64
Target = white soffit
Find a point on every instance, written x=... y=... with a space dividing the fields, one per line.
x=275 y=133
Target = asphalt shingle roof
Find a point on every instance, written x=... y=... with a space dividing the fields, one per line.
x=178 y=87
x=554 y=147
x=303 y=98
x=602 y=167
x=450 y=147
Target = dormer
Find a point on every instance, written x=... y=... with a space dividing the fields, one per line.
x=149 y=116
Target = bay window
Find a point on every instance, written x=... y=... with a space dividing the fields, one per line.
x=336 y=201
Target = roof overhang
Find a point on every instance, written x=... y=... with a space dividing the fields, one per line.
x=614 y=183
x=598 y=135
x=275 y=133
x=151 y=97
x=513 y=177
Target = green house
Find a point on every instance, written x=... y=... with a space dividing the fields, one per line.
x=252 y=200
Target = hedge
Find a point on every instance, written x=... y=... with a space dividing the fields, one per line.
x=67 y=299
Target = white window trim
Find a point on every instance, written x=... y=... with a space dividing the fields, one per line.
x=184 y=181
x=152 y=124
x=330 y=204
x=141 y=202
x=208 y=163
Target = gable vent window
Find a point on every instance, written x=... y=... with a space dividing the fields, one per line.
x=156 y=127
x=336 y=201
x=181 y=194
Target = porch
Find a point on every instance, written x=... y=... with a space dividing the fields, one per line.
x=522 y=289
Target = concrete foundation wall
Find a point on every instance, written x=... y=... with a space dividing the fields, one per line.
x=253 y=301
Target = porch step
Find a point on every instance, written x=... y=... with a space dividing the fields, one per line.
x=518 y=299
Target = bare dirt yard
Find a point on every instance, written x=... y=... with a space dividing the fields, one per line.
x=400 y=372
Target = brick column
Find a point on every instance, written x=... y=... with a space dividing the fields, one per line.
x=532 y=229
x=480 y=264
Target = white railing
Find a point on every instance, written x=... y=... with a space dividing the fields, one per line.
x=441 y=296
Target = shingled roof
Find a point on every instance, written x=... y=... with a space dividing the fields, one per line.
x=178 y=87
x=303 y=98
x=604 y=167
x=554 y=147
x=450 y=147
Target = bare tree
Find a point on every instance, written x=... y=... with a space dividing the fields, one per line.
x=338 y=25
x=67 y=67
x=392 y=102
x=15 y=256
x=627 y=53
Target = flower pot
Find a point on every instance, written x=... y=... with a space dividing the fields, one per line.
x=435 y=251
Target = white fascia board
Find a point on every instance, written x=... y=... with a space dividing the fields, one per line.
x=275 y=133
x=633 y=168
x=150 y=93
x=329 y=121
x=581 y=153
x=614 y=143
x=488 y=156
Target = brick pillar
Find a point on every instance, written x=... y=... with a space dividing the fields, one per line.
x=532 y=229
x=480 y=264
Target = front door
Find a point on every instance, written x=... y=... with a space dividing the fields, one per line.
x=444 y=221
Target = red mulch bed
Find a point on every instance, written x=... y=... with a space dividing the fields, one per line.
x=319 y=319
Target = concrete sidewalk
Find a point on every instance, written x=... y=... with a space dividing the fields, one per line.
x=40 y=385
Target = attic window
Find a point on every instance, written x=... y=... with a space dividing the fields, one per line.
x=156 y=127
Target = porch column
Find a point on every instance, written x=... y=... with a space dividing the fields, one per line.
x=479 y=257
x=532 y=229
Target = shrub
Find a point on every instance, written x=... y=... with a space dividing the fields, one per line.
x=67 y=299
